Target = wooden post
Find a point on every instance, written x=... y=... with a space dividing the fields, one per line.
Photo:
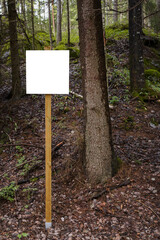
x=48 y=172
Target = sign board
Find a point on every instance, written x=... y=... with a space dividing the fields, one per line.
x=47 y=72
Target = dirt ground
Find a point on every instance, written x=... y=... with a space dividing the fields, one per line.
x=126 y=207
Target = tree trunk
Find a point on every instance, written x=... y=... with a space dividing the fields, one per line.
x=137 y=80
x=23 y=11
x=68 y=22
x=98 y=144
x=1 y=37
x=4 y=7
x=59 y=30
x=54 y=29
x=32 y=18
x=16 y=82
x=115 y=13
x=50 y=27
x=158 y=4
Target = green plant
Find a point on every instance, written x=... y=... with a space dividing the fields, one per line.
x=129 y=122
x=20 y=235
x=114 y=100
x=8 y=192
x=19 y=148
x=20 y=160
x=29 y=191
x=152 y=75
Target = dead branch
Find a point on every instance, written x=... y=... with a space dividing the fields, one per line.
x=110 y=188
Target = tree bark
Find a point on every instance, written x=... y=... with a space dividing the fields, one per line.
x=32 y=18
x=23 y=11
x=115 y=16
x=99 y=158
x=4 y=7
x=16 y=82
x=68 y=22
x=50 y=27
x=54 y=29
x=59 y=30
x=137 y=80
x=1 y=36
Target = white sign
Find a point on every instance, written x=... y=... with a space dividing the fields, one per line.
x=47 y=72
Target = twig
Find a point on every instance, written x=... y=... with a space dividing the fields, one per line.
x=149 y=208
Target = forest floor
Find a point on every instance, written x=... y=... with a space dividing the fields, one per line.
x=126 y=207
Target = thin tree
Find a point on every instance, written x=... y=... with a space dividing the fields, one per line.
x=115 y=13
x=59 y=22
x=32 y=19
x=99 y=161
x=4 y=7
x=1 y=37
x=137 y=80
x=50 y=26
x=16 y=81
x=23 y=11
x=54 y=29
x=68 y=22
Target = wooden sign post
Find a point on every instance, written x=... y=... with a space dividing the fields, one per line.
x=47 y=72
x=48 y=163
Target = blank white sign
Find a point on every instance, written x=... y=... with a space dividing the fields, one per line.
x=47 y=72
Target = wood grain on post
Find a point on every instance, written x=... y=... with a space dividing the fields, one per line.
x=48 y=178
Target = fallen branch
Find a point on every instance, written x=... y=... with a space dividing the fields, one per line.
x=124 y=183
x=76 y=94
x=81 y=97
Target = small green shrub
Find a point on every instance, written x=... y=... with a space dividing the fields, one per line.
x=114 y=100
x=8 y=193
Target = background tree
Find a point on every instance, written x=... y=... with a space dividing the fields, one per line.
x=98 y=144
x=50 y=26
x=59 y=22
x=32 y=17
x=53 y=22
x=68 y=22
x=136 y=46
x=16 y=82
x=115 y=14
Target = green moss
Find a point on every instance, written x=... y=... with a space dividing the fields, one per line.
x=117 y=31
x=74 y=51
x=152 y=74
x=152 y=63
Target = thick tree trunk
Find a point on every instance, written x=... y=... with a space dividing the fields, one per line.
x=54 y=29
x=137 y=80
x=32 y=18
x=50 y=27
x=59 y=30
x=68 y=22
x=115 y=13
x=98 y=144
x=16 y=82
